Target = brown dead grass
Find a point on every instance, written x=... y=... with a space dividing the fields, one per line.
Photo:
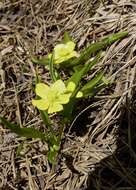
x=31 y=27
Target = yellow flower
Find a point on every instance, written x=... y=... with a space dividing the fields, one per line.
x=71 y=87
x=53 y=97
x=63 y=52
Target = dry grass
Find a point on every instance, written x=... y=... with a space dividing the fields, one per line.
x=99 y=148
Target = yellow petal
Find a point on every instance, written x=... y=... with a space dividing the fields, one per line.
x=71 y=86
x=64 y=98
x=63 y=52
x=66 y=56
x=55 y=107
x=70 y=46
x=60 y=60
x=79 y=94
x=42 y=90
x=74 y=54
x=58 y=86
x=59 y=51
x=41 y=104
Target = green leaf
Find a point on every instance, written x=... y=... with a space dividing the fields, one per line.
x=94 y=48
x=24 y=132
x=77 y=76
x=88 y=88
x=42 y=61
x=95 y=90
x=114 y=37
x=68 y=110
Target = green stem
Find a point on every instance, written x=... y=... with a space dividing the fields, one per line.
x=51 y=67
x=47 y=121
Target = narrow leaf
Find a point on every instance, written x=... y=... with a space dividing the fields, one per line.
x=77 y=76
x=89 y=86
x=93 y=48
x=95 y=90
x=68 y=110
x=24 y=132
x=42 y=61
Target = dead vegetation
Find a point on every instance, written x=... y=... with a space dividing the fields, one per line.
x=107 y=123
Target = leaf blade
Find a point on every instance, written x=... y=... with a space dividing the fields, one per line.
x=94 y=48
x=92 y=83
x=43 y=61
x=24 y=132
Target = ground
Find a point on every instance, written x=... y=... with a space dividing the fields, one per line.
x=99 y=148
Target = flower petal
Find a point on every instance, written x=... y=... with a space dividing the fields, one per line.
x=60 y=60
x=71 y=86
x=42 y=90
x=55 y=107
x=63 y=52
x=74 y=54
x=79 y=94
x=41 y=104
x=58 y=87
x=64 y=98
x=70 y=46
x=59 y=51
